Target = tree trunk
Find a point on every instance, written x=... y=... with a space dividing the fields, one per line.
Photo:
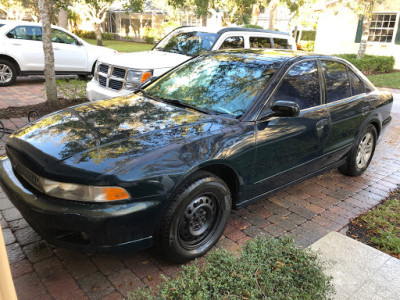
x=63 y=19
x=363 y=43
x=295 y=33
x=49 y=72
x=255 y=13
x=272 y=16
x=97 y=30
x=204 y=20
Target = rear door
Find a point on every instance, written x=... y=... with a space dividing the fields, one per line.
x=24 y=43
x=289 y=148
x=345 y=100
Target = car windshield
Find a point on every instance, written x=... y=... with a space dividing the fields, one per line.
x=219 y=83
x=188 y=43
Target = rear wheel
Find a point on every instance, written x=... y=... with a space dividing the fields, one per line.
x=195 y=218
x=8 y=73
x=361 y=153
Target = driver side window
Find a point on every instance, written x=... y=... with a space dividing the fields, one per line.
x=300 y=85
x=58 y=36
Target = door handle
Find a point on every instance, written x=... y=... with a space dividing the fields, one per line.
x=14 y=44
x=321 y=124
x=56 y=48
x=365 y=109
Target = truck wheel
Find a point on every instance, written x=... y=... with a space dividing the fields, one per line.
x=8 y=73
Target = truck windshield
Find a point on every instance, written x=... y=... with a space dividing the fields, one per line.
x=188 y=43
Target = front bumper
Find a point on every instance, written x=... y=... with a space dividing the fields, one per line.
x=95 y=92
x=88 y=227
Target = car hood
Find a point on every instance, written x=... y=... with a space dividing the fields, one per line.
x=97 y=135
x=153 y=59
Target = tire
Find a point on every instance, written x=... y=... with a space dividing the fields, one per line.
x=361 y=153
x=8 y=72
x=195 y=218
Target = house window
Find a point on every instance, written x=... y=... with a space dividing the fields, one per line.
x=382 y=28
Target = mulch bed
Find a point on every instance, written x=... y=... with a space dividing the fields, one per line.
x=358 y=231
x=41 y=108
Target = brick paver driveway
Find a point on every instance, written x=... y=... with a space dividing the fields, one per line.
x=307 y=211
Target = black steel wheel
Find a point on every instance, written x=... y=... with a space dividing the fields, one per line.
x=361 y=153
x=195 y=218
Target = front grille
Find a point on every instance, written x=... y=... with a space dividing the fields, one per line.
x=102 y=81
x=115 y=84
x=118 y=72
x=111 y=77
x=103 y=69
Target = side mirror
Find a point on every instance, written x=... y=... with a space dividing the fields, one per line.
x=281 y=108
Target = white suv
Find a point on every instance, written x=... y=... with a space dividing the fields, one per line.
x=122 y=74
x=21 y=51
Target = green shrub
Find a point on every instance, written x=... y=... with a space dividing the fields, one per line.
x=107 y=36
x=306 y=45
x=371 y=64
x=264 y=269
x=308 y=35
x=252 y=26
x=83 y=34
x=71 y=89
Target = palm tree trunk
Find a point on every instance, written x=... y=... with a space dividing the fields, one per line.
x=49 y=71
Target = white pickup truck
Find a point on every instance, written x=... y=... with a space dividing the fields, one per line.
x=123 y=73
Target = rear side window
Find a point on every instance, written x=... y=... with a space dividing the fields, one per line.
x=1 y=25
x=260 y=42
x=337 y=81
x=357 y=86
x=301 y=85
x=233 y=42
x=281 y=44
x=32 y=33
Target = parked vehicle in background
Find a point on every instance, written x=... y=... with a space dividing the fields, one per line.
x=165 y=166
x=124 y=73
x=21 y=51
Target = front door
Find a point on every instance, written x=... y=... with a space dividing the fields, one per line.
x=290 y=147
x=69 y=55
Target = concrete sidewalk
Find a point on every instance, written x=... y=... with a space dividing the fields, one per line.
x=359 y=271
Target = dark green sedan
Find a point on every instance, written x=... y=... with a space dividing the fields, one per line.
x=166 y=165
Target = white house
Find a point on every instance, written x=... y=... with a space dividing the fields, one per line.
x=339 y=30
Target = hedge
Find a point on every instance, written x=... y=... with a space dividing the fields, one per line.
x=264 y=269
x=371 y=64
x=83 y=34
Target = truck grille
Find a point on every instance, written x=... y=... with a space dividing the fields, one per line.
x=111 y=77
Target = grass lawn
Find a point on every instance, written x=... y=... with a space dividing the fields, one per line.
x=389 y=80
x=380 y=227
x=123 y=46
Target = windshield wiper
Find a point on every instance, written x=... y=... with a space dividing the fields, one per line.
x=175 y=102
x=183 y=104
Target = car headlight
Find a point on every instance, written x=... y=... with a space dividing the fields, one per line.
x=81 y=192
x=135 y=78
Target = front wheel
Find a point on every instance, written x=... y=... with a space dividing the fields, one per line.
x=195 y=218
x=361 y=153
x=8 y=73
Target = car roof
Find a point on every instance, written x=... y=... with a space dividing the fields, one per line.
x=221 y=30
x=270 y=54
x=10 y=23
